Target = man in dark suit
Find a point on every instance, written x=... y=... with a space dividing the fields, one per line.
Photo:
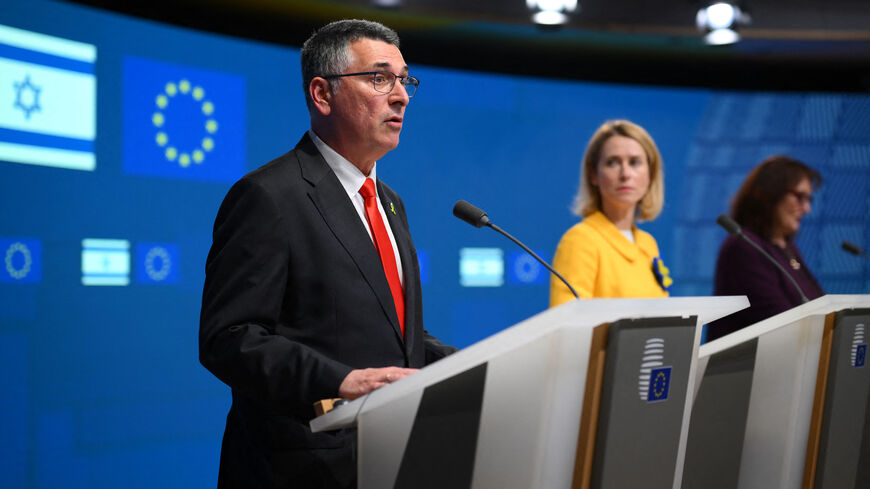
x=301 y=296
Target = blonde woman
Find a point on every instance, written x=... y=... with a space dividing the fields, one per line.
x=606 y=255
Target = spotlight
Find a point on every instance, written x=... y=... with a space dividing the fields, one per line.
x=551 y=12
x=720 y=21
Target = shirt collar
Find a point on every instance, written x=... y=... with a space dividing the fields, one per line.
x=348 y=174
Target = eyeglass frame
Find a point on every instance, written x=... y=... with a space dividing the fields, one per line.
x=401 y=78
x=802 y=197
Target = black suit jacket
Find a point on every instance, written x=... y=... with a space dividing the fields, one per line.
x=295 y=297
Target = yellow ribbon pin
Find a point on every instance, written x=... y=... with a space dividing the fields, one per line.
x=392 y=209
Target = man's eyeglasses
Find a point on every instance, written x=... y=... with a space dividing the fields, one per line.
x=384 y=81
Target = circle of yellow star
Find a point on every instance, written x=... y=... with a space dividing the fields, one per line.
x=158 y=119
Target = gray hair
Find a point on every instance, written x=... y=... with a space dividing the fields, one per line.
x=326 y=51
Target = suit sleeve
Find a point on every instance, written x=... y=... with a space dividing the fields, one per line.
x=576 y=259
x=435 y=350
x=243 y=295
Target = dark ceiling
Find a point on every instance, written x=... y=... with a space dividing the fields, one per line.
x=816 y=45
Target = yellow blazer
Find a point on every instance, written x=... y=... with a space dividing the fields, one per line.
x=598 y=261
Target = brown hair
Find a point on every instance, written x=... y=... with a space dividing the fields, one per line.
x=755 y=203
x=588 y=198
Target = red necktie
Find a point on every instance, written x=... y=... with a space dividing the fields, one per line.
x=384 y=247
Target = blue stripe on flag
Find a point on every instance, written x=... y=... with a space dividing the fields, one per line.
x=36 y=57
x=45 y=140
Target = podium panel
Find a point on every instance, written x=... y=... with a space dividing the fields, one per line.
x=506 y=412
x=840 y=411
x=643 y=396
x=442 y=441
x=716 y=432
x=756 y=398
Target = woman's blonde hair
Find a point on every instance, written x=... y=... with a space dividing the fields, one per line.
x=588 y=198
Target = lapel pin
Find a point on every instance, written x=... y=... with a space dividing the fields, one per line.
x=392 y=209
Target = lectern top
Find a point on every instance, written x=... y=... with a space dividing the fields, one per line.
x=820 y=306
x=583 y=314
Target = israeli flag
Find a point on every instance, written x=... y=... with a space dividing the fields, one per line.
x=481 y=267
x=48 y=91
x=105 y=262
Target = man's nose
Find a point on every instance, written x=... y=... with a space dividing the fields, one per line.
x=399 y=94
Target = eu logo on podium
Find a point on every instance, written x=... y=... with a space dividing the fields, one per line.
x=659 y=384
x=859 y=346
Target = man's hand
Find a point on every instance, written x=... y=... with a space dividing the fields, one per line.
x=361 y=382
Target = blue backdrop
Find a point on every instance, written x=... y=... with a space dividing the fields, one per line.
x=117 y=148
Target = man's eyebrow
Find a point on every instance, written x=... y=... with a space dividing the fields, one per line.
x=385 y=64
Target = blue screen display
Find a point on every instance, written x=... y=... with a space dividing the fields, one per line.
x=119 y=138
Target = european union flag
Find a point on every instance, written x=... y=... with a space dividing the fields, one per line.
x=183 y=122
x=22 y=260
x=860 y=355
x=48 y=115
x=659 y=384
x=156 y=263
x=525 y=270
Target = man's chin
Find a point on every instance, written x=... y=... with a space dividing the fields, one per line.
x=391 y=143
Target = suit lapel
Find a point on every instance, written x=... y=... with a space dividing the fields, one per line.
x=338 y=212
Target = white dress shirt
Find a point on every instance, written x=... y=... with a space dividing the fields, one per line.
x=352 y=180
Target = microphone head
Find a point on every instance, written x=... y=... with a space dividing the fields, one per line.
x=470 y=214
x=728 y=224
x=852 y=248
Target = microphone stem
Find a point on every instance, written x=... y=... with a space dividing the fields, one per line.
x=773 y=260
x=508 y=236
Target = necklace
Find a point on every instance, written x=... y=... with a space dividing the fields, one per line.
x=792 y=258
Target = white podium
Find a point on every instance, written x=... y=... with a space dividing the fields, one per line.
x=760 y=400
x=506 y=412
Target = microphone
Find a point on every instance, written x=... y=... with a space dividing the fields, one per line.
x=734 y=229
x=477 y=218
x=471 y=214
x=854 y=249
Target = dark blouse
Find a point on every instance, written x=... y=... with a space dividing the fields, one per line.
x=742 y=270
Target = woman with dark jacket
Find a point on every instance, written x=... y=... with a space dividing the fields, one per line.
x=769 y=206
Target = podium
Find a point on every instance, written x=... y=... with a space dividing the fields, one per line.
x=783 y=403
x=593 y=393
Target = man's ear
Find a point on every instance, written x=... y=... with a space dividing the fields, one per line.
x=321 y=95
